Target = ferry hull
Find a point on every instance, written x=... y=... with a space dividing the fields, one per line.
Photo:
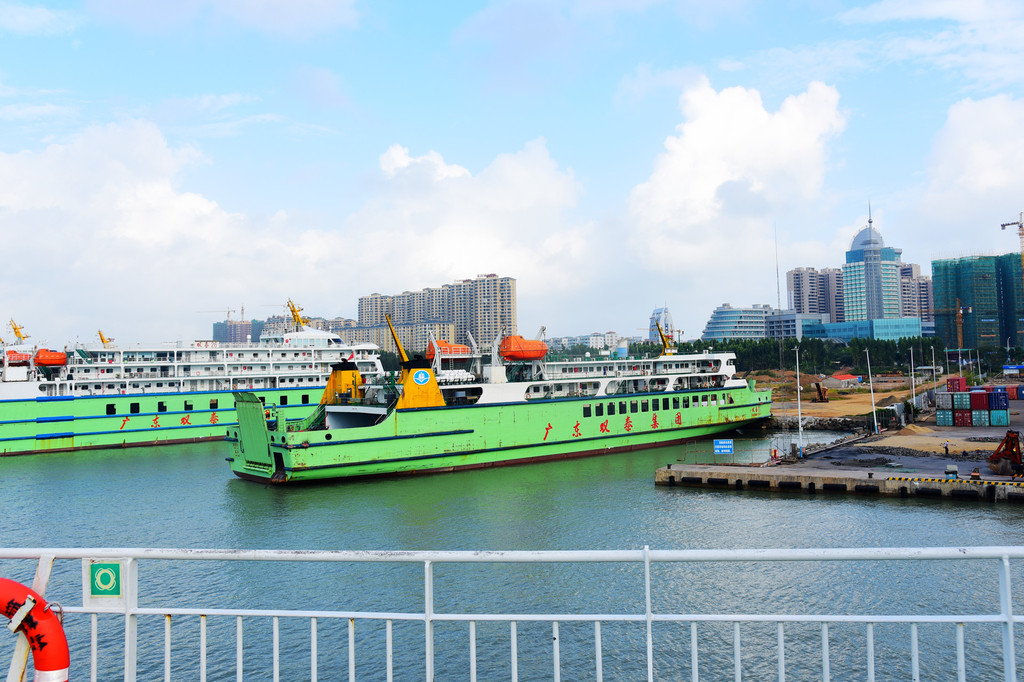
x=430 y=440
x=67 y=423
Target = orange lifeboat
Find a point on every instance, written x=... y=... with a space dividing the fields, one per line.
x=448 y=350
x=518 y=348
x=17 y=358
x=50 y=358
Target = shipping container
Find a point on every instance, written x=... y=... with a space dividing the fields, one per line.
x=999 y=417
x=961 y=417
x=944 y=417
x=979 y=418
x=955 y=384
x=961 y=401
x=998 y=401
x=944 y=401
x=979 y=400
x=1011 y=392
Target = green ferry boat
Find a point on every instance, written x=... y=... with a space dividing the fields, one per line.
x=515 y=409
x=103 y=396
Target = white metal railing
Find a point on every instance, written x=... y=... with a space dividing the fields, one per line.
x=649 y=615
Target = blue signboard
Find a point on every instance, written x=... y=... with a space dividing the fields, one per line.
x=723 y=446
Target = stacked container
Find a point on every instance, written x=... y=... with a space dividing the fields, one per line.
x=956 y=384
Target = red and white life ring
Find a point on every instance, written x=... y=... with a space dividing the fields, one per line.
x=50 y=656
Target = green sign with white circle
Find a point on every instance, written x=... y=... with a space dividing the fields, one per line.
x=105 y=579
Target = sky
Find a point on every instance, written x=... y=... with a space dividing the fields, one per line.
x=164 y=163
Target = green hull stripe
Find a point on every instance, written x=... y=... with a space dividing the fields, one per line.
x=377 y=462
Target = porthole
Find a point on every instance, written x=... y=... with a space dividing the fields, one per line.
x=327 y=437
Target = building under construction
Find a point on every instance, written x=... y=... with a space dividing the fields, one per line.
x=988 y=294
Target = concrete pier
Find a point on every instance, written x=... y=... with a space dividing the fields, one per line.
x=792 y=480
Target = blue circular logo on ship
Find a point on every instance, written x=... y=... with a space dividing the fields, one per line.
x=421 y=377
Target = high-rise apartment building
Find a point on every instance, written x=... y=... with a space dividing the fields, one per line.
x=832 y=292
x=804 y=289
x=484 y=307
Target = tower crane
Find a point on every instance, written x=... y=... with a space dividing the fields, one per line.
x=1019 y=224
x=228 y=311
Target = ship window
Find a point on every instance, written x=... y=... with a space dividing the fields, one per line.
x=622 y=407
x=586 y=411
x=599 y=410
x=327 y=436
x=161 y=406
x=704 y=399
x=188 y=405
x=134 y=408
x=611 y=409
x=643 y=406
x=305 y=399
x=714 y=398
x=213 y=404
x=686 y=402
x=675 y=403
x=632 y=405
x=111 y=408
x=284 y=400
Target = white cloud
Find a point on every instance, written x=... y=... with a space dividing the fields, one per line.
x=704 y=217
x=981 y=40
x=645 y=80
x=32 y=112
x=974 y=176
x=26 y=19
x=967 y=11
x=123 y=248
x=442 y=223
x=731 y=151
x=288 y=18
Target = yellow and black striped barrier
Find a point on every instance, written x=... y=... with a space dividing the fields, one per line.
x=975 y=481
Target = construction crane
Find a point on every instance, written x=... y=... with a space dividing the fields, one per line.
x=1019 y=224
x=19 y=331
x=958 y=318
x=228 y=311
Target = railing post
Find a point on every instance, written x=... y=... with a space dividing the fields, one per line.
x=428 y=616
x=648 y=613
x=1006 y=606
x=131 y=621
x=782 y=652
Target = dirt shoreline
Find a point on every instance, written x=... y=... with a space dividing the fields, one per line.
x=920 y=447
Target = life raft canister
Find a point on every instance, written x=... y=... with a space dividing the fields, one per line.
x=41 y=626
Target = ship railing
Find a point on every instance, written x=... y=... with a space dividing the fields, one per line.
x=665 y=636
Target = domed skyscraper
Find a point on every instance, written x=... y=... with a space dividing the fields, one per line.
x=871 y=277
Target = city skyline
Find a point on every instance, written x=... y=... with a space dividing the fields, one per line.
x=159 y=160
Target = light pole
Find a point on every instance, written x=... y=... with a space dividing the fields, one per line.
x=871 y=385
x=799 y=413
x=934 y=378
x=913 y=387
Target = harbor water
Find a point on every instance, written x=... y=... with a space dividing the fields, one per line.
x=185 y=496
